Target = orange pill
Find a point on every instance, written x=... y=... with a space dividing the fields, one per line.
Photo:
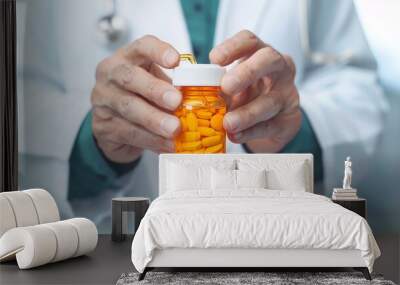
x=184 y=126
x=202 y=114
x=203 y=123
x=212 y=110
x=192 y=123
x=191 y=136
x=214 y=149
x=211 y=141
x=206 y=132
x=217 y=122
x=193 y=102
x=211 y=98
x=191 y=145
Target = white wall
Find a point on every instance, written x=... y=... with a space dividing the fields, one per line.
x=381 y=22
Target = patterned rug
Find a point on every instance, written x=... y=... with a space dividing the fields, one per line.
x=243 y=278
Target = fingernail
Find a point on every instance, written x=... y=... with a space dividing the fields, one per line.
x=171 y=99
x=170 y=57
x=231 y=122
x=230 y=83
x=169 y=125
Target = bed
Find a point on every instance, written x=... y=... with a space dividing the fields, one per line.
x=246 y=211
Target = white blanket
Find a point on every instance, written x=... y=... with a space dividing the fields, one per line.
x=250 y=218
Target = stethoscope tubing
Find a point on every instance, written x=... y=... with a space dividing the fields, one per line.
x=319 y=58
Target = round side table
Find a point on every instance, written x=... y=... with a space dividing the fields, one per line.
x=120 y=205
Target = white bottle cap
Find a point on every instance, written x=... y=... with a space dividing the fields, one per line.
x=187 y=74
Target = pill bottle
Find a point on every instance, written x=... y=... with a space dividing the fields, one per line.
x=202 y=110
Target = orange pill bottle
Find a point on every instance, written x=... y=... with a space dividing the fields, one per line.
x=202 y=110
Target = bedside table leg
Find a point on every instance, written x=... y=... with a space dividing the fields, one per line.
x=364 y=271
x=116 y=233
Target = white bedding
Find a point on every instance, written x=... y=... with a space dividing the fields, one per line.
x=251 y=218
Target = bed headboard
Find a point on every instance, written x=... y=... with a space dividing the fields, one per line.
x=212 y=158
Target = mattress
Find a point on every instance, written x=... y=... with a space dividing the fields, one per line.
x=251 y=219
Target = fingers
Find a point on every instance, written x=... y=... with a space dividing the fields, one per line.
x=260 y=109
x=247 y=96
x=136 y=110
x=264 y=62
x=260 y=130
x=119 y=153
x=150 y=49
x=137 y=80
x=260 y=92
x=240 y=45
x=278 y=130
x=130 y=98
x=159 y=73
x=119 y=131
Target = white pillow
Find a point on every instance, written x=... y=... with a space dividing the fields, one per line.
x=251 y=178
x=181 y=177
x=223 y=179
x=189 y=174
x=282 y=174
x=290 y=178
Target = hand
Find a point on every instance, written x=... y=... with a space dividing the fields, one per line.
x=262 y=99
x=131 y=98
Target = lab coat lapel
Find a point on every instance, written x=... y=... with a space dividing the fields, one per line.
x=236 y=15
x=163 y=19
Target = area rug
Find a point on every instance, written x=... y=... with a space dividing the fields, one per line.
x=243 y=278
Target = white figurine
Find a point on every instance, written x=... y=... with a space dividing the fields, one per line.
x=347 y=174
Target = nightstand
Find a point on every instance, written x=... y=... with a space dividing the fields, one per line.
x=358 y=206
x=121 y=205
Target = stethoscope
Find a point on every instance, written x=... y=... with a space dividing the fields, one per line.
x=115 y=29
x=112 y=28
x=318 y=58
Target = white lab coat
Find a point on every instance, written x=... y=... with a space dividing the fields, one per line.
x=59 y=51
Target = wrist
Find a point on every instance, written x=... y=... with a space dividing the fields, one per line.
x=119 y=167
x=91 y=154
